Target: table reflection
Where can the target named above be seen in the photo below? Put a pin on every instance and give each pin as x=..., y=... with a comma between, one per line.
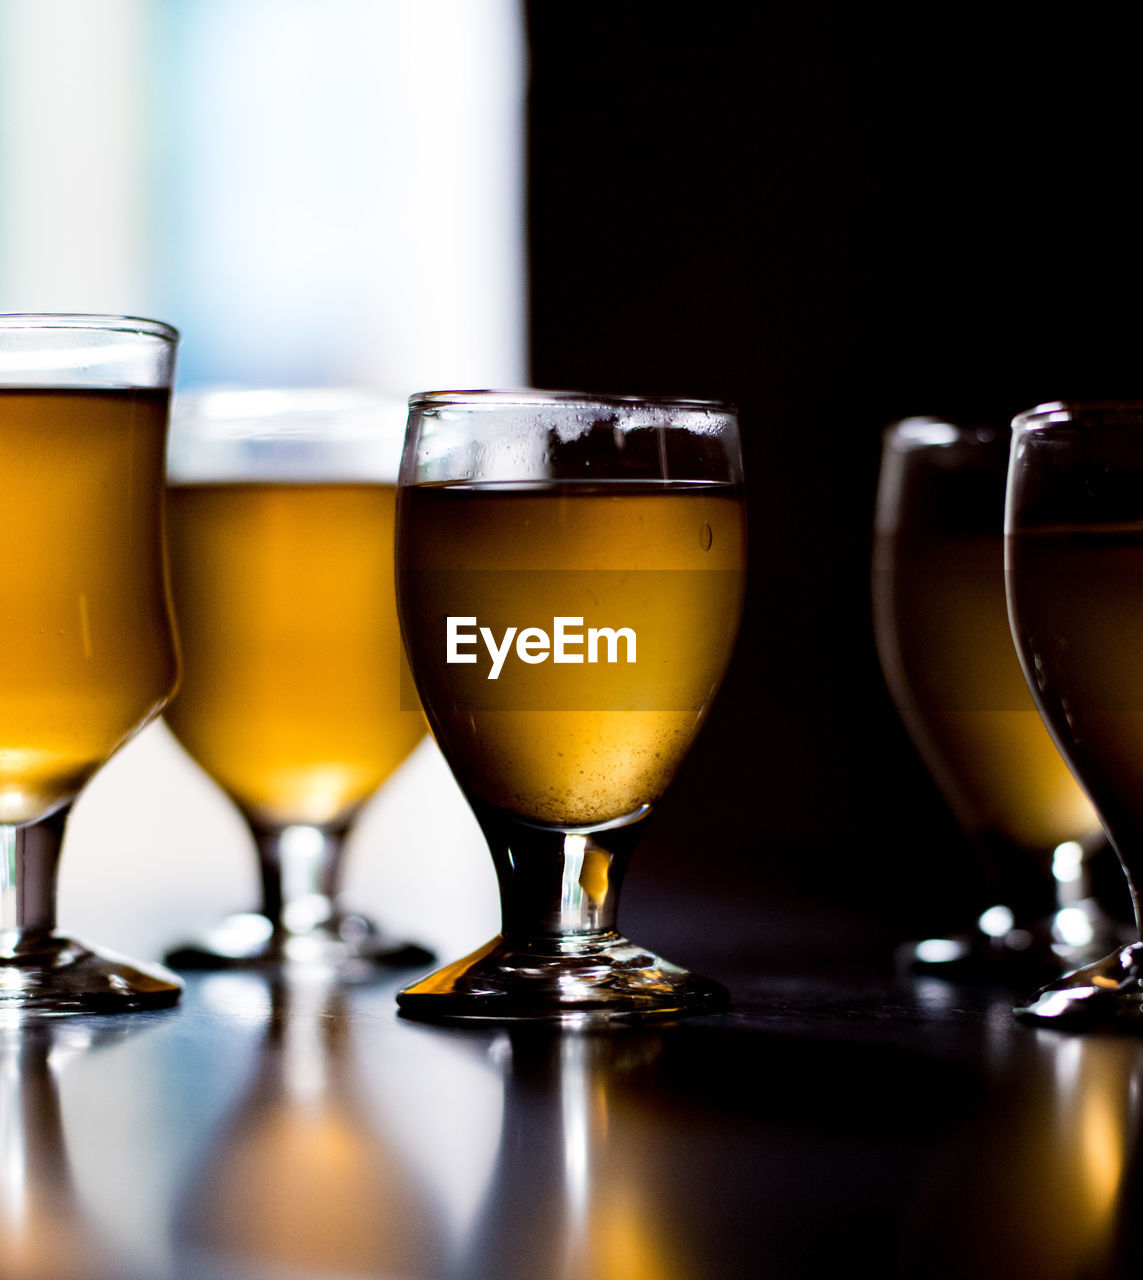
x=47, y=1232
x=299, y=1129
x=299, y=1180
x=1045, y=1183
x=574, y=1190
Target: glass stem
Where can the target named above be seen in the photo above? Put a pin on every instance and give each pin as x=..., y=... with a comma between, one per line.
x=29, y=860
x=300, y=868
x=1136, y=902
x=557, y=886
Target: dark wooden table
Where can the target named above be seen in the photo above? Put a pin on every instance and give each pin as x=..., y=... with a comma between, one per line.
x=274, y=1129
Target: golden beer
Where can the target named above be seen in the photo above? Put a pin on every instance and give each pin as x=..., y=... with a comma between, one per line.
x=291, y=697
x=86, y=654
x=950, y=663
x=573, y=742
x=1078, y=601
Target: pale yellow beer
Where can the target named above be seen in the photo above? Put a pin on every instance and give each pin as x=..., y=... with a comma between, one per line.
x=86, y=656
x=291, y=697
x=570, y=744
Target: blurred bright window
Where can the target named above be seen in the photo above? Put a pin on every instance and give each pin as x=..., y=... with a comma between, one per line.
x=313, y=191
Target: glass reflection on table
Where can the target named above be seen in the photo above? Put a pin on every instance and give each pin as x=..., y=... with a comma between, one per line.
x=48, y=1231
x=298, y=1181
x=575, y=1188
x=1044, y=1183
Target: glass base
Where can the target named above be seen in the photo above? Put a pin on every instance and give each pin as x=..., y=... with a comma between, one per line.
x=976, y=957
x=1106, y=993
x=572, y=981
x=1075, y=935
x=249, y=940
x=66, y=975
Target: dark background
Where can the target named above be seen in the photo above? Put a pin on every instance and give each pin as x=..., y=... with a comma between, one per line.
x=834, y=215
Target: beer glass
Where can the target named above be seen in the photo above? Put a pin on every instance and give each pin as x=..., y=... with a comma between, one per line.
x=87, y=646
x=1074, y=559
x=570, y=578
x=941, y=624
x=281, y=509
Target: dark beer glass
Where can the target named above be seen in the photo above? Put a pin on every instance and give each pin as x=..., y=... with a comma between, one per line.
x=1074, y=558
x=946, y=650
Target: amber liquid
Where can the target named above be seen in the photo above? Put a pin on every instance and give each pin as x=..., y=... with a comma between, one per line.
x=291, y=693
x=573, y=744
x=1077, y=597
x=87, y=653
x=947, y=652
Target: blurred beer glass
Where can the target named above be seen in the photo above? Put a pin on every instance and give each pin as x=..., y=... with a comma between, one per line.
x=281, y=515
x=947, y=653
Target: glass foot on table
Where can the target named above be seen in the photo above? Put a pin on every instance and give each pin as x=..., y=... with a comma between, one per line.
x=573, y=983
x=1016, y=956
x=249, y=939
x=1107, y=993
x=65, y=975
x=997, y=949
x=975, y=957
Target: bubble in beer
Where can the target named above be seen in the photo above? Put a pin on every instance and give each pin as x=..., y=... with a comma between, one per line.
x=706, y=537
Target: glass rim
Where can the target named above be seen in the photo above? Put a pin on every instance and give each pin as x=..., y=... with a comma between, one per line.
x=285, y=435
x=1052, y=412
x=521, y=397
x=925, y=431
x=17, y=321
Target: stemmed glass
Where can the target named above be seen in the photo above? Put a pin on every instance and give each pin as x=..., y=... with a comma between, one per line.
x=87, y=646
x=942, y=631
x=281, y=509
x=1074, y=560
x=570, y=578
